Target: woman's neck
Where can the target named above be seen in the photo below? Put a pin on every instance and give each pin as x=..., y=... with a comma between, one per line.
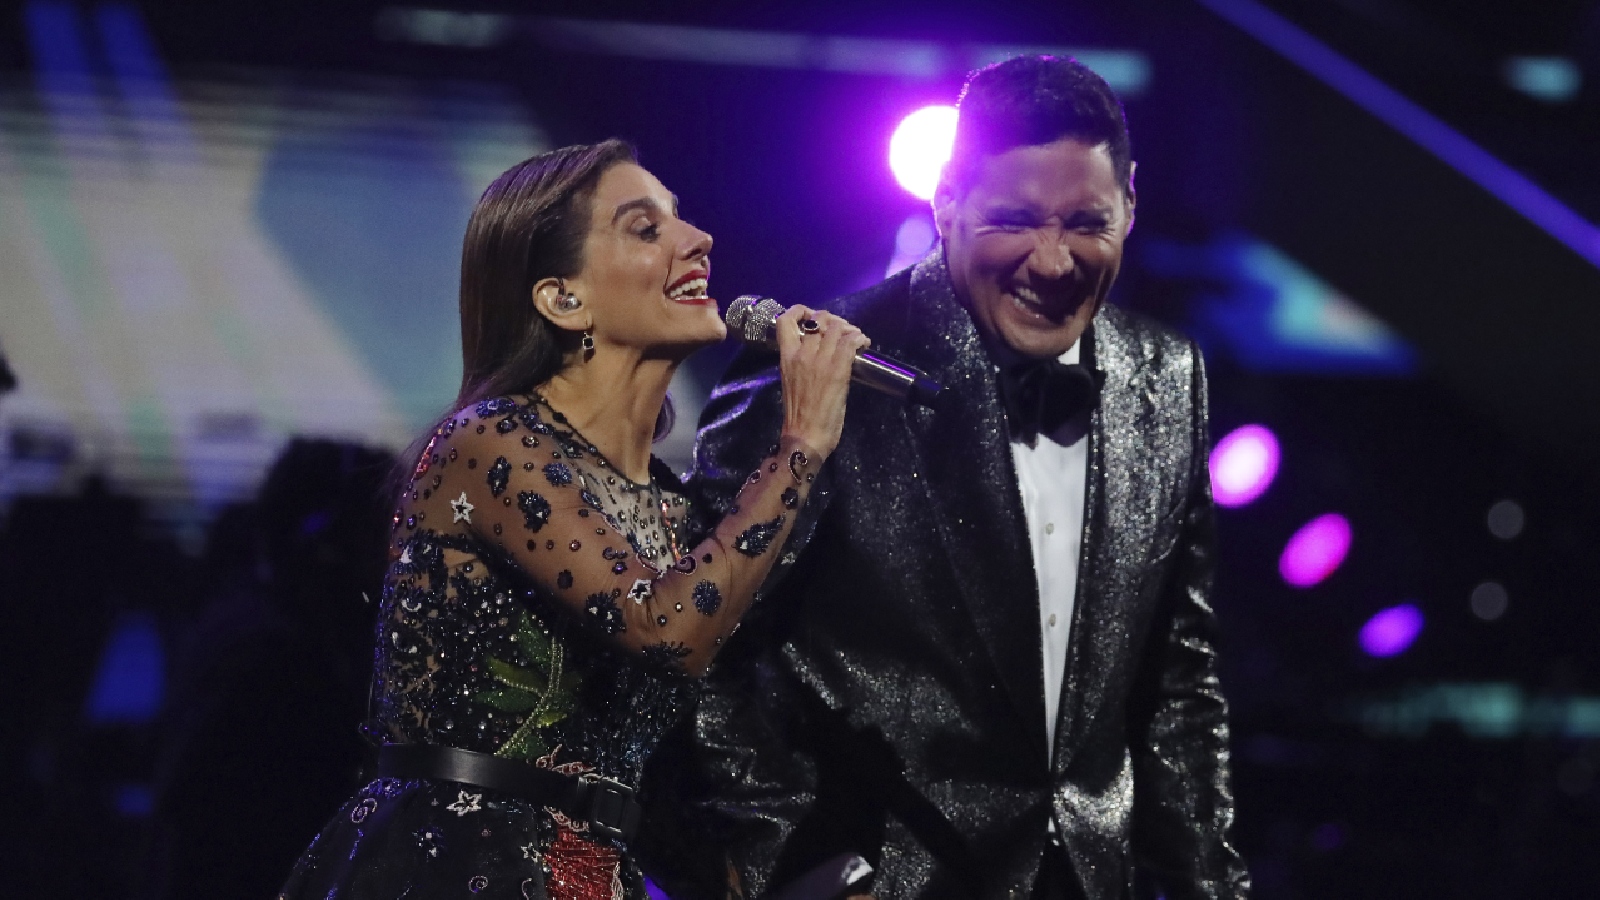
x=613, y=399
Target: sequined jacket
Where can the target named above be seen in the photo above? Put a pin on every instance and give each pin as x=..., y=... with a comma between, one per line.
x=886, y=697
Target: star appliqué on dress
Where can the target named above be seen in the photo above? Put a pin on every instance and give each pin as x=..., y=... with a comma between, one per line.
x=530, y=851
x=641, y=591
x=465, y=803
x=462, y=509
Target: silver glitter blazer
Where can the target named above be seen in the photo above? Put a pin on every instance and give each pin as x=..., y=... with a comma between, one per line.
x=886, y=697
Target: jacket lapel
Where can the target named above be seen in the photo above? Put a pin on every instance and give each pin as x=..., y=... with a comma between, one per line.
x=963, y=446
x=1122, y=507
x=1089, y=595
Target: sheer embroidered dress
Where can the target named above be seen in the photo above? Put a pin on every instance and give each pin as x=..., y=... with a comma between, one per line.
x=543, y=607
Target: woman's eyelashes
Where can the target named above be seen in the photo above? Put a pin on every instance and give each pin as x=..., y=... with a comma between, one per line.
x=651, y=228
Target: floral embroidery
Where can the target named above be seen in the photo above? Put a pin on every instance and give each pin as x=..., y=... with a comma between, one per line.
x=707, y=598
x=535, y=510
x=755, y=540
x=499, y=475
x=495, y=406
x=543, y=690
x=667, y=654
x=603, y=607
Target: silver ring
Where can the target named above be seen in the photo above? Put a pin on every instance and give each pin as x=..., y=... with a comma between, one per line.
x=809, y=326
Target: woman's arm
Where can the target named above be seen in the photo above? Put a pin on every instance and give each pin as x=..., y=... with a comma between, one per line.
x=527, y=501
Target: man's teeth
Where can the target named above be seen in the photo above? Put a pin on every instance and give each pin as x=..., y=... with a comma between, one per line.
x=1028, y=299
x=695, y=287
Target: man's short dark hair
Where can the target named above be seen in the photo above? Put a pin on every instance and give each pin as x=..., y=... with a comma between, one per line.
x=1030, y=100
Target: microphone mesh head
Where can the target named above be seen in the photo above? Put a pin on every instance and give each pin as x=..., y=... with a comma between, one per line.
x=752, y=318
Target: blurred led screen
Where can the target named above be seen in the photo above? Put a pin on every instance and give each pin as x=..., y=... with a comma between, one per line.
x=193, y=271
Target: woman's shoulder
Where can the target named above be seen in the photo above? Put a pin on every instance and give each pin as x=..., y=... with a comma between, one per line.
x=498, y=421
x=509, y=411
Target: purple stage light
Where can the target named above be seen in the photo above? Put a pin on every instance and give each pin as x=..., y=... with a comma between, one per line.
x=1243, y=465
x=1392, y=630
x=1315, y=550
x=919, y=148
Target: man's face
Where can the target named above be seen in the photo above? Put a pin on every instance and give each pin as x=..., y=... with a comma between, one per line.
x=1034, y=241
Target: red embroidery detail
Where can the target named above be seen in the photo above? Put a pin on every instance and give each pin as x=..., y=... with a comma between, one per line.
x=582, y=870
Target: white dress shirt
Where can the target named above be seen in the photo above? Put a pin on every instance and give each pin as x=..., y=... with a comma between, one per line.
x=1051, y=475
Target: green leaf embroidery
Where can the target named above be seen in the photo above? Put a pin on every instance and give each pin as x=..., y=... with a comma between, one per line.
x=513, y=701
x=543, y=690
x=517, y=678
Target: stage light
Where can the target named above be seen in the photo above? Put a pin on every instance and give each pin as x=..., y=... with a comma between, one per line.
x=920, y=147
x=912, y=242
x=1243, y=465
x=1552, y=79
x=1315, y=550
x=1392, y=630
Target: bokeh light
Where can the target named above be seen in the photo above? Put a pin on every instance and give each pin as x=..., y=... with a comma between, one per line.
x=1315, y=551
x=919, y=148
x=1392, y=630
x=1506, y=519
x=1489, y=601
x=1243, y=465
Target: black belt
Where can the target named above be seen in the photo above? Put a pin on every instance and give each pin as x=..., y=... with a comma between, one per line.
x=608, y=806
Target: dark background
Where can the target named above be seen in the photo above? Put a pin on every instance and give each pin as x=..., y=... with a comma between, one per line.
x=1463, y=767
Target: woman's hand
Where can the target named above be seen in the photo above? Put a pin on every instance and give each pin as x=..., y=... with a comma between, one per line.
x=816, y=350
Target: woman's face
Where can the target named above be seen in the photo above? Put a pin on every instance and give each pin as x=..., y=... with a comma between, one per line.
x=645, y=271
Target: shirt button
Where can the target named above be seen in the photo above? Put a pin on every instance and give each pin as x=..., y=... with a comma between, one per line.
x=1049, y=528
x=1052, y=620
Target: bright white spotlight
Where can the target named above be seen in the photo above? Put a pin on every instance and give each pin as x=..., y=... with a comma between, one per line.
x=1243, y=465
x=920, y=147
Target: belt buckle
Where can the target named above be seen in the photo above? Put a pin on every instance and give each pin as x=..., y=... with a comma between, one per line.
x=606, y=804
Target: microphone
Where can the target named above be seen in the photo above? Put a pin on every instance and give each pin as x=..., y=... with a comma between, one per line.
x=754, y=320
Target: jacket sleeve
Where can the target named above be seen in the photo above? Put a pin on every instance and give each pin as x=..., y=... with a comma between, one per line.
x=1183, y=799
x=756, y=787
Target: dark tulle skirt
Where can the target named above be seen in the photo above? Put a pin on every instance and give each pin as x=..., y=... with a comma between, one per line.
x=422, y=839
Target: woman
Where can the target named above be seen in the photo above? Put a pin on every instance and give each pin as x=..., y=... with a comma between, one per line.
x=544, y=614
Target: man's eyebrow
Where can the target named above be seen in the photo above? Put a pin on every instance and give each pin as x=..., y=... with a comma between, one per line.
x=1013, y=208
x=645, y=203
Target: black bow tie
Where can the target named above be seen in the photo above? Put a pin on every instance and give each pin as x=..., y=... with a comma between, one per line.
x=1042, y=395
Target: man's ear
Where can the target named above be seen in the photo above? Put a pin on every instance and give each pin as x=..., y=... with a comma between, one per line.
x=1133, y=196
x=944, y=206
x=548, y=294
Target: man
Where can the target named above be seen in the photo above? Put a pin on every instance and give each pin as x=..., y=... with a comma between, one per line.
x=990, y=670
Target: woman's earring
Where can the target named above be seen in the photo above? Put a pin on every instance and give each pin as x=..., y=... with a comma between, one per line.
x=588, y=340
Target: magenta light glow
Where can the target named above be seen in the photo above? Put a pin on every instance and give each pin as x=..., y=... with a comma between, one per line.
x=1391, y=631
x=920, y=147
x=1243, y=465
x=1315, y=550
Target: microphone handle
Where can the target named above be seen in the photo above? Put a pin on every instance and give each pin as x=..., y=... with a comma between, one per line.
x=753, y=318
x=892, y=378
